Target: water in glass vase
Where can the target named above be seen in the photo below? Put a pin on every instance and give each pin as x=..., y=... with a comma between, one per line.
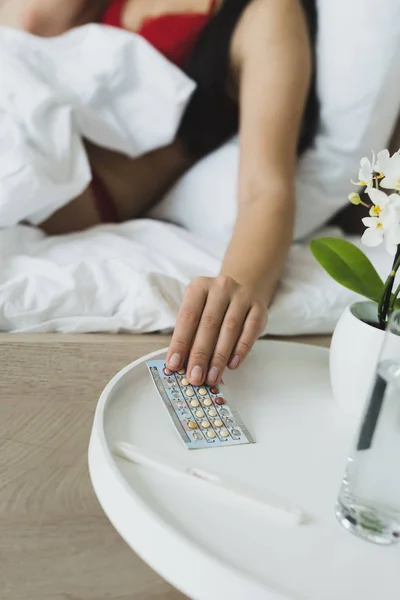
x=369, y=499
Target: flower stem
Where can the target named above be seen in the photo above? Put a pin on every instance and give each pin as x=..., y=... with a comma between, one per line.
x=385, y=302
x=394, y=298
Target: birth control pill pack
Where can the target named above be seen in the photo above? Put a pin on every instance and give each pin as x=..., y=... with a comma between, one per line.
x=202, y=415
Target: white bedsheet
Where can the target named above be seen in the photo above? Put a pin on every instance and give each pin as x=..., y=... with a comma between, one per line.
x=130, y=277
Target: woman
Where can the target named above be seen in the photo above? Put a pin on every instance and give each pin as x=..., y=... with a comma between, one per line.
x=253, y=64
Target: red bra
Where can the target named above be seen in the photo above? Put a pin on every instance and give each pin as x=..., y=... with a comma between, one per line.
x=174, y=35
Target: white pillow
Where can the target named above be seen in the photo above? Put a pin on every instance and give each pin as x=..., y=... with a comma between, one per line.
x=358, y=63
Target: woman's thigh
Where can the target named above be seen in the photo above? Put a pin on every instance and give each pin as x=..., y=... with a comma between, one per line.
x=133, y=186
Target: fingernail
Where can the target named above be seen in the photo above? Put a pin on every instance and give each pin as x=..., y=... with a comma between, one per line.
x=212, y=375
x=197, y=373
x=234, y=362
x=175, y=361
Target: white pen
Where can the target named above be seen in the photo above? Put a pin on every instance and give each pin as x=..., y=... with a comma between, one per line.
x=275, y=508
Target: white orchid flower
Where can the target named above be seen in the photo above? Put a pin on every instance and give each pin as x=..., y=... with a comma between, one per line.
x=391, y=181
x=382, y=162
x=384, y=228
x=381, y=200
x=366, y=172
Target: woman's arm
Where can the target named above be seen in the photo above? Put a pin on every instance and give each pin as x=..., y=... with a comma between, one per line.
x=220, y=319
x=271, y=53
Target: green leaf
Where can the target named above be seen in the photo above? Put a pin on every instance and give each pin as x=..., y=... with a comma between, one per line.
x=349, y=266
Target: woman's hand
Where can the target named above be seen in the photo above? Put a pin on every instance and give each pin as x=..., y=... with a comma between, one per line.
x=220, y=319
x=217, y=325
x=53, y=17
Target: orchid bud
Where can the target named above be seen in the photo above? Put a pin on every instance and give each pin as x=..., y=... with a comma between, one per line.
x=355, y=198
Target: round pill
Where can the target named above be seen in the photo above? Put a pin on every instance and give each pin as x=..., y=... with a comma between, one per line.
x=224, y=433
x=184, y=382
x=199, y=414
x=202, y=391
x=220, y=401
x=218, y=423
x=181, y=372
x=192, y=425
x=167, y=372
x=205, y=424
x=212, y=412
x=195, y=403
x=211, y=434
x=207, y=402
x=189, y=392
x=214, y=390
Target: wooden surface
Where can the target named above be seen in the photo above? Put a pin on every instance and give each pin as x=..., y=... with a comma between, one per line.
x=55, y=541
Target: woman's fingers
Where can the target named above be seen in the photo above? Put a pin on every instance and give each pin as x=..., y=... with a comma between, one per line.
x=253, y=327
x=231, y=329
x=207, y=334
x=187, y=322
x=217, y=325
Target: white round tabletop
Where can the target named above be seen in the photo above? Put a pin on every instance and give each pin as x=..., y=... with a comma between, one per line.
x=210, y=547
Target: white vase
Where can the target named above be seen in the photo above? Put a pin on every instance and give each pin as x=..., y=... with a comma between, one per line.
x=354, y=354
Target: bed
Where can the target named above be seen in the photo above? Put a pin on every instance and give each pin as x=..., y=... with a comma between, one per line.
x=131, y=276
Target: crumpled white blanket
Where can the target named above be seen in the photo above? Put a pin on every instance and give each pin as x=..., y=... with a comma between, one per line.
x=97, y=82
x=130, y=277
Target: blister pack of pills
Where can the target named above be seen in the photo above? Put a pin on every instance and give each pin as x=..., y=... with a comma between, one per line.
x=202, y=415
